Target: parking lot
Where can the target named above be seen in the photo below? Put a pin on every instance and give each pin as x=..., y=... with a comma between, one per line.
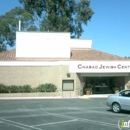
x=59, y=114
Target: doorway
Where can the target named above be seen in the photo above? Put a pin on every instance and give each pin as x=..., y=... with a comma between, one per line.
x=104, y=85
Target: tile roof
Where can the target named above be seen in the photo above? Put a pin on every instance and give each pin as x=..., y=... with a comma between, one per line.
x=91, y=54
x=8, y=55
x=76, y=54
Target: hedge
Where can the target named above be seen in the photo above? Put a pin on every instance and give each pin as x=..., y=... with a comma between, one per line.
x=3, y=88
x=48, y=87
x=20, y=89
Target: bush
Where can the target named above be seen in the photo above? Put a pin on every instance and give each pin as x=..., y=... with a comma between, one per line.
x=4, y=89
x=13, y=89
x=20, y=89
x=48, y=87
x=87, y=87
x=116, y=88
x=41, y=88
x=26, y=89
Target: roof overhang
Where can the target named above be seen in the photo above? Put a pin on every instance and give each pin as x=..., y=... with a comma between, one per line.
x=100, y=67
x=104, y=74
x=79, y=66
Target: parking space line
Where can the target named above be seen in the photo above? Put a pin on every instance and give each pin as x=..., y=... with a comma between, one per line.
x=98, y=112
x=20, y=125
x=53, y=123
x=93, y=110
x=24, y=116
x=107, y=113
x=85, y=120
x=16, y=126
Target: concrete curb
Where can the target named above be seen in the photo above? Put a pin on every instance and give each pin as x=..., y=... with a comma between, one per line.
x=24, y=98
x=95, y=96
x=57, y=97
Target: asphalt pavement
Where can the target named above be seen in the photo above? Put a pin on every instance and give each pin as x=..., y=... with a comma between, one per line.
x=59, y=114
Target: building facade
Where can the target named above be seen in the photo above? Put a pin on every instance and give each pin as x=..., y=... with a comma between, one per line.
x=68, y=63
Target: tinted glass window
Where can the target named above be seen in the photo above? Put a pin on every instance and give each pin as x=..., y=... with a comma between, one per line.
x=125, y=93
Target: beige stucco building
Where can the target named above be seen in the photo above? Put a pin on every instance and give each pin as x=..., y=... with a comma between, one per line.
x=68, y=63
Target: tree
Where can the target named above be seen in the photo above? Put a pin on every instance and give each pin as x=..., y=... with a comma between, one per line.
x=9, y=26
x=60, y=15
x=128, y=57
x=2, y=47
x=45, y=15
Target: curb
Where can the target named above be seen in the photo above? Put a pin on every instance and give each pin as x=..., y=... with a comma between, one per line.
x=94, y=96
x=58, y=97
x=23, y=98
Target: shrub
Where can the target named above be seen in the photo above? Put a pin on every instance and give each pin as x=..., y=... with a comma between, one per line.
x=87, y=87
x=48, y=87
x=20, y=89
x=4, y=89
x=41, y=88
x=26, y=89
x=13, y=89
x=116, y=88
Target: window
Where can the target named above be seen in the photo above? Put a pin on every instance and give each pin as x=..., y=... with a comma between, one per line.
x=125, y=93
x=68, y=85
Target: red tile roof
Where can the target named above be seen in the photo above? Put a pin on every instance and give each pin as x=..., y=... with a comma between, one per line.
x=76, y=54
x=90, y=54
x=8, y=55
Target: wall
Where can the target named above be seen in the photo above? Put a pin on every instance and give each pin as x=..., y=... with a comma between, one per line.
x=30, y=75
x=42, y=45
x=47, y=44
x=35, y=76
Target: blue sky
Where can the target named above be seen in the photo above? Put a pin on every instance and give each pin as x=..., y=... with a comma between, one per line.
x=109, y=27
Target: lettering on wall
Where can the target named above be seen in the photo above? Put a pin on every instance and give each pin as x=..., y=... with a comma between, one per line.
x=101, y=66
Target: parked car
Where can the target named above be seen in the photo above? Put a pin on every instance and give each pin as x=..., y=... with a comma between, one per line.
x=119, y=101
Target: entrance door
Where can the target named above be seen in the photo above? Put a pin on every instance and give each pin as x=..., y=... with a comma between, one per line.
x=105, y=85
x=100, y=84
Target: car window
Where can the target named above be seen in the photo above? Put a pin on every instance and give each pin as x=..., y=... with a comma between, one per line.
x=125, y=93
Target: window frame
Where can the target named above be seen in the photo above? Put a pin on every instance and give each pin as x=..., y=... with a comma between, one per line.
x=121, y=93
x=67, y=89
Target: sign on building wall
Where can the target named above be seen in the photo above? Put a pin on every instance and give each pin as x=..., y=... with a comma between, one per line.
x=99, y=66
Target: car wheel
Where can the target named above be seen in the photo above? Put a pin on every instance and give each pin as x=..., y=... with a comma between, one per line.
x=116, y=107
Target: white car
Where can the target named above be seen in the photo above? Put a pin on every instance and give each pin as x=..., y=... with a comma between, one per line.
x=119, y=101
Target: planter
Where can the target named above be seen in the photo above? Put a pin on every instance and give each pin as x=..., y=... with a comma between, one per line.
x=88, y=92
x=88, y=89
x=116, y=91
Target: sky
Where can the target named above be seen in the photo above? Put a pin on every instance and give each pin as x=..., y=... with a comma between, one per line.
x=109, y=27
